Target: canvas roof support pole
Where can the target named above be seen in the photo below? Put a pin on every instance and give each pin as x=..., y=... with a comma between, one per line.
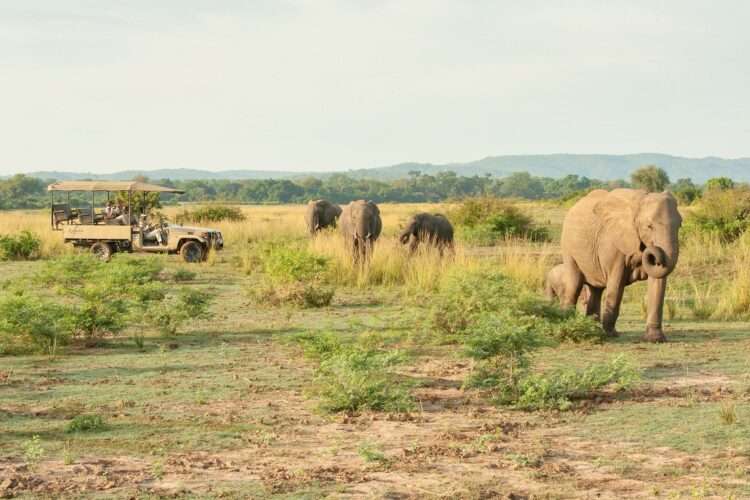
x=93, y=204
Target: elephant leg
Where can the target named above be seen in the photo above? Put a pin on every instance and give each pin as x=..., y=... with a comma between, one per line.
x=656, y=290
x=594, y=302
x=613, y=299
x=573, y=282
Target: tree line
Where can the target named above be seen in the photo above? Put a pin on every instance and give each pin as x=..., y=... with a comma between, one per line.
x=21, y=191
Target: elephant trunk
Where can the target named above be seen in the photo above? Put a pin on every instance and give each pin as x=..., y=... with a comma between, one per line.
x=406, y=234
x=658, y=261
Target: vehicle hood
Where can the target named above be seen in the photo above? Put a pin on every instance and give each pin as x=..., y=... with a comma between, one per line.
x=192, y=229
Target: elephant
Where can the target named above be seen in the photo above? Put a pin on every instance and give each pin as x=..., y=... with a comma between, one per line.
x=554, y=287
x=321, y=214
x=434, y=230
x=361, y=226
x=612, y=239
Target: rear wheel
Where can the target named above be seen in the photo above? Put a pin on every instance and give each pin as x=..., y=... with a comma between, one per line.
x=102, y=251
x=192, y=251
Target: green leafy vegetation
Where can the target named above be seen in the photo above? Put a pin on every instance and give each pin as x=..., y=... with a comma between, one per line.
x=485, y=220
x=290, y=274
x=724, y=212
x=23, y=246
x=210, y=213
x=353, y=376
x=86, y=423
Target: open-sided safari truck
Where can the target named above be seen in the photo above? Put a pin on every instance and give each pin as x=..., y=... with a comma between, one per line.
x=112, y=227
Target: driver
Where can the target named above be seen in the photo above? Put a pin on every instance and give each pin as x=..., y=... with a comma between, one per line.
x=150, y=232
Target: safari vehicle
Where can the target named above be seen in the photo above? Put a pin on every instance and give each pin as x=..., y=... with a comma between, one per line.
x=109, y=229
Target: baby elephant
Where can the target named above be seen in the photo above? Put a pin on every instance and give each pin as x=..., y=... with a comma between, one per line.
x=361, y=226
x=555, y=287
x=434, y=230
x=321, y=214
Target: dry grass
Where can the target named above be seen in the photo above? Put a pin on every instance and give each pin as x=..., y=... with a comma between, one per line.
x=38, y=222
x=525, y=262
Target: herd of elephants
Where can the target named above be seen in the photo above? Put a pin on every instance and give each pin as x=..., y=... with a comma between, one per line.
x=610, y=239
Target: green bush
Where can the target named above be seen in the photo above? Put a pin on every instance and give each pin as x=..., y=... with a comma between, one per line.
x=723, y=212
x=577, y=328
x=182, y=275
x=353, y=377
x=28, y=321
x=175, y=310
x=501, y=348
x=486, y=220
x=24, y=246
x=559, y=389
x=210, y=213
x=291, y=275
x=98, y=313
x=285, y=263
x=86, y=423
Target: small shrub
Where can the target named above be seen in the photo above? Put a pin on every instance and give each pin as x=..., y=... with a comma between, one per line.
x=292, y=275
x=210, y=213
x=33, y=451
x=28, y=321
x=723, y=212
x=182, y=275
x=24, y=246
x=175, y=310
x=560, y=388
x=353, y=377
x=85, y=423
x=486, y=220
x=372, y=453
x=297, y=294
x=578, y=328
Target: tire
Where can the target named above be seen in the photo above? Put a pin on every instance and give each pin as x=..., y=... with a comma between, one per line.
x=192, y=252
x=102, y=251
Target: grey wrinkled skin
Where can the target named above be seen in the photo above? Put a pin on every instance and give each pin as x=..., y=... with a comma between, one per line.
x=321, y=214
x=361, y=225
x=612, y=239
x=433, y=230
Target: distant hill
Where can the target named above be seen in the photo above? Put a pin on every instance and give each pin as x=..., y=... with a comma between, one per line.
x=604, y=167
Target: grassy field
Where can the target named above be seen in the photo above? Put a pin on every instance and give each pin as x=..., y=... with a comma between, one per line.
x=228, y=408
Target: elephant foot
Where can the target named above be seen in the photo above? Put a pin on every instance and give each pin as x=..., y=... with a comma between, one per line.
x=612, y=333
x=654, y=334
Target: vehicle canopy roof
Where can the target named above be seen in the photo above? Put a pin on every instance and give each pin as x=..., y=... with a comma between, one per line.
x=131, y=186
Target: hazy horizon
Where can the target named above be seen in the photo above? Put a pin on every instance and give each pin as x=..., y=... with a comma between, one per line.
x=330, y=86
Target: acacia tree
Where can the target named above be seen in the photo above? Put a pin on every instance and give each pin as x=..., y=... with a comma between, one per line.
x=651, y=178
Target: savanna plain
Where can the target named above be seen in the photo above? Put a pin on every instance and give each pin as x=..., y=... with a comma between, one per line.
x=278, y=369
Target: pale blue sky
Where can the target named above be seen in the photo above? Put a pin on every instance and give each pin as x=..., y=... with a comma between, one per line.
x=102, y=85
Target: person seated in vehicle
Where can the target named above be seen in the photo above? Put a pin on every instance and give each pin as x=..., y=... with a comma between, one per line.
x=150, y=233
x=109, y=210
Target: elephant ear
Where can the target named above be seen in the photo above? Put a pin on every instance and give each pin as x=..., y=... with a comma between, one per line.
x=618, y=213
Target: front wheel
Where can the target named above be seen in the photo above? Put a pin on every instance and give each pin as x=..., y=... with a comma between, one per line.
x=192, y=251
x=102, y=251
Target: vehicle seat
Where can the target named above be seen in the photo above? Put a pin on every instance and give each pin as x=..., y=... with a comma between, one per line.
x=60, y=213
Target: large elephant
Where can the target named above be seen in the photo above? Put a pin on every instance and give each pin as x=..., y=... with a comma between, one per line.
x=321, y=214
x=361, y=226
x=434, y=230
x=612, y=239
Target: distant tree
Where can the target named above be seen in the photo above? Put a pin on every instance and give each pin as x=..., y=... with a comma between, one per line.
x=521, y=185
x=685, y=191
x=719, y=183
x=651, y=178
